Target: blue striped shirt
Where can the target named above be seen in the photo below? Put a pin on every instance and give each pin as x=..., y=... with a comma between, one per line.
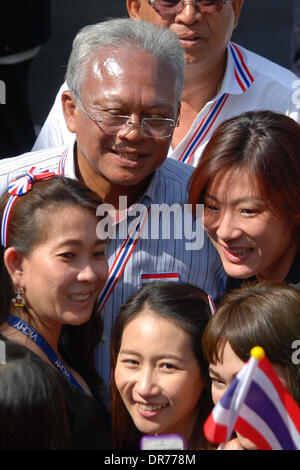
x=152, y=255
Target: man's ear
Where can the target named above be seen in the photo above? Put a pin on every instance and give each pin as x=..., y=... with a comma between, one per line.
x=70, y=110
x=237, y=7
x=133, y=8
x=13, y=261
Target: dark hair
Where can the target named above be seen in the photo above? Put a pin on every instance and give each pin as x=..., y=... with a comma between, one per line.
x=187, y=306
x=33, y=411
x=265, y=314
x=26, y=228
x=267, y=146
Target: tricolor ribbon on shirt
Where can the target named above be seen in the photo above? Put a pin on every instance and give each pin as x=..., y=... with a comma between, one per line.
x=19, y=187
x=121, y=260
x=244, y=79
x=62, y=163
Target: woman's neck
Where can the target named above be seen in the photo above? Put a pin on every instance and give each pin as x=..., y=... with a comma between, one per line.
x=50, y=331
x=280, y=269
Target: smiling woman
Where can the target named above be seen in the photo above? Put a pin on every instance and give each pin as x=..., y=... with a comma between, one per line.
x=159, y=375
x=265, y=314
x=53, y=268
x=248, y=181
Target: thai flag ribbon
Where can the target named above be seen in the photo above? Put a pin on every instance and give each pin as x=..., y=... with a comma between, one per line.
x=122, y=257
x=259, y=407
x=244, y=79
x=19, y=187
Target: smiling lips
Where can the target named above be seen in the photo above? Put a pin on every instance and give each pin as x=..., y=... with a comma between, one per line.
x=80, y=297
x=150, y=411
x=133, y=157
x=152, y=407
x=237, y=254
x=129, y=157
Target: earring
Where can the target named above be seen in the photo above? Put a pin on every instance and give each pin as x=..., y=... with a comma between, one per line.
x=18, y=299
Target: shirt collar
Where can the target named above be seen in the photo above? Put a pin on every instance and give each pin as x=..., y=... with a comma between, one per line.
x=238, y=77
x=67, y=162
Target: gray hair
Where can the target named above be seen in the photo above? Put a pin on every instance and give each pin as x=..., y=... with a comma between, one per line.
x=116, y=33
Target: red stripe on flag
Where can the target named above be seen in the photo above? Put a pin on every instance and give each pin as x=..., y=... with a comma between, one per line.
x=214, y=431
x=244, y=428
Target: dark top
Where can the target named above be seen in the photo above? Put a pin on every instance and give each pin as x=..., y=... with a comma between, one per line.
x=90, y=429
x=89, y=425
x=292, y=279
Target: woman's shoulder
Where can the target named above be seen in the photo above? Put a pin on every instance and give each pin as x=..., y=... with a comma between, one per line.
x=88, y=418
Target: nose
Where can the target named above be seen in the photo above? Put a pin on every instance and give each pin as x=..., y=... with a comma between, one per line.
x=132, y=131
x=87, y=273
x=146, y=384
x=227, y=227
x=189, y=13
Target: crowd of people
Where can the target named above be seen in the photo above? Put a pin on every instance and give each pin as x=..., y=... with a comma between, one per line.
x=124, y=314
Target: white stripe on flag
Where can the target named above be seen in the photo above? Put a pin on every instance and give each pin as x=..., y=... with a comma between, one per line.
x=259, y=424
x=228, y=417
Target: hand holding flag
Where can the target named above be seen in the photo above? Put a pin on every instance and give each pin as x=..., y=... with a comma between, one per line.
x=258, y=406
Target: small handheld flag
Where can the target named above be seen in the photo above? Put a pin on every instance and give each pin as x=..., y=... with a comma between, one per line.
x=258, y=406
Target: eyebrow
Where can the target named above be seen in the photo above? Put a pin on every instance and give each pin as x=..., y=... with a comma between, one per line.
x=71, y=241
x=237, y=201
x=215, y=373
x=219, y=376
x=160, y=356
x=119, y=102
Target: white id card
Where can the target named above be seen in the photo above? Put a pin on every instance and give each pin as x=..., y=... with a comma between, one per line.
x=162, y=442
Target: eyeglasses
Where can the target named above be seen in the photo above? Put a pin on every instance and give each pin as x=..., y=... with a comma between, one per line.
x=112, y=123
x=169, y=8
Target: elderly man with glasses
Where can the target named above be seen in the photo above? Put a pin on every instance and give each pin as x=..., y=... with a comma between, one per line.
x=125, y=80
x=222, y=79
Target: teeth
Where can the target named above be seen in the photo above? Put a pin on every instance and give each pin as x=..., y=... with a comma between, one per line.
x=130, y=156
x=80, y=296
x=240, y=252
x=151, y=407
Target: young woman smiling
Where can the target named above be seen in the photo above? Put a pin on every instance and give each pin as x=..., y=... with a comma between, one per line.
x=52, y=269
x=159, y=375
x=265, y=314
x=248, y=181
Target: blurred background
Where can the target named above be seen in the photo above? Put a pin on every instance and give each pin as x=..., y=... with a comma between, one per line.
x=265, y=27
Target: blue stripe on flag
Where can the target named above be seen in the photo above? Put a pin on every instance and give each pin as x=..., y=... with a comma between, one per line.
x=260, y=403
x=226, y=399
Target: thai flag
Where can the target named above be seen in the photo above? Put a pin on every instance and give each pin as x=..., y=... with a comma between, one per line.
x=258, y=406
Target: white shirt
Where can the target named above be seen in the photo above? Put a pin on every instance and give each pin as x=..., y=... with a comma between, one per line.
x=156, y=255
x=251, y=82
